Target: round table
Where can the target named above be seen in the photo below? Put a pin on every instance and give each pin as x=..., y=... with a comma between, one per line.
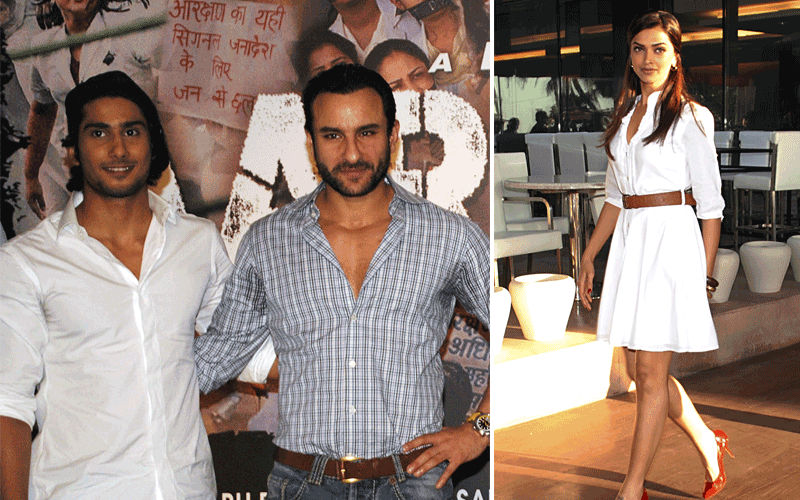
x=572, y=185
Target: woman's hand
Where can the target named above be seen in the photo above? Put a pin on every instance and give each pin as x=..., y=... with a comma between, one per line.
x=605, y=226
x=711, y=286
x=585, y=280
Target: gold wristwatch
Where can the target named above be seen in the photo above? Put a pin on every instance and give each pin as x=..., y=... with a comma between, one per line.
x=480, y=422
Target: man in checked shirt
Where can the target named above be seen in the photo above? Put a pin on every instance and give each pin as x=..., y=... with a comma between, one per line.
x=355, y=283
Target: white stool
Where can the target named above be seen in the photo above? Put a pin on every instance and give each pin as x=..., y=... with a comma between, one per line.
x=725, y=269
x=794, y=244
x=542, y=303
x=765, y=264
x=500, y=310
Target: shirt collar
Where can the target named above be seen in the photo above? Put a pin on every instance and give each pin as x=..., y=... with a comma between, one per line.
x=161, y=209
x=394, y=14
x=98, y=24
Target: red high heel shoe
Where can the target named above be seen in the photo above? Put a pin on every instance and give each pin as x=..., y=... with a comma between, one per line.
x=714, y=487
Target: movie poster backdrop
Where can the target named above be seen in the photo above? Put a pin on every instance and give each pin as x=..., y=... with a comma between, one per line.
x=229, y=74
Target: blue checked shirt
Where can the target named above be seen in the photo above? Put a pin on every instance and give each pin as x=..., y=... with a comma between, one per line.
x=359, y=376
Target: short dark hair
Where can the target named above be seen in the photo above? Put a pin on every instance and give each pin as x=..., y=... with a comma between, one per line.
x=346, y=79
x=114, y=84
x=313, y=40
x=512, y=125
x=387, y=47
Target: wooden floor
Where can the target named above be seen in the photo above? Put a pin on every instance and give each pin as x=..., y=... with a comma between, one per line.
x=583, y=453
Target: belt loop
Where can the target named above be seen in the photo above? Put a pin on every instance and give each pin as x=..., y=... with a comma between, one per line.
x=317, y=470
x=683, y=197
x=398, y=468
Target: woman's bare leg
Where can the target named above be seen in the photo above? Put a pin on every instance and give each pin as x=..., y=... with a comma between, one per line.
x=684, y=414
x=652, y=404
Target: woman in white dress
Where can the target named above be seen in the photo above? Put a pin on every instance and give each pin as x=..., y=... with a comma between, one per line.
x=660, y=144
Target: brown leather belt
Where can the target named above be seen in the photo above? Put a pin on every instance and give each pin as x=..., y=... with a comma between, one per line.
x=656, y=200
x=347, y=469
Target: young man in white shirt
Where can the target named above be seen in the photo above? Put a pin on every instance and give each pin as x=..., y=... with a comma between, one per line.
x=99, y=305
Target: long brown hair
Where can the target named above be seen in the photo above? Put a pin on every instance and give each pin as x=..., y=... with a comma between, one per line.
x=674, y=95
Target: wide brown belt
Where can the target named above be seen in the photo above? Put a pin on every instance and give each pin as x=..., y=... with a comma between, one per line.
x=347, y=470
x=656, y=200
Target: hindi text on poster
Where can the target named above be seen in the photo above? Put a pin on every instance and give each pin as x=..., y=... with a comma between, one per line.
x=245, y=45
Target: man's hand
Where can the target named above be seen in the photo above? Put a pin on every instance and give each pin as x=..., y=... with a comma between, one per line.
x=35, y=196
x=454, y=444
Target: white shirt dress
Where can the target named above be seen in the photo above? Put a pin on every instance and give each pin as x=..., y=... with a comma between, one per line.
x=654, y=291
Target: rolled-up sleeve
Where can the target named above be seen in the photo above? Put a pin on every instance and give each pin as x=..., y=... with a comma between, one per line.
x=613, y=194
x=473, y=281
x=221, y=268
x=701, y=159
x=23, y=335
x=238, y=326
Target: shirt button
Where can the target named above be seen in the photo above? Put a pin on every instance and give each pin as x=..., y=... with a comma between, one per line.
x=352, y=409
x=352, y=363
x=353, y=318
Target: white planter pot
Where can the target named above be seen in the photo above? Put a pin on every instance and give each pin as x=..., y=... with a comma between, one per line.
x=794, y=245
x=725, y=269
x=765, y=264
x=543, y=303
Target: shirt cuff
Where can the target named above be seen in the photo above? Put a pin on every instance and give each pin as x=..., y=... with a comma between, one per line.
x=20, y=410
x=258, y=368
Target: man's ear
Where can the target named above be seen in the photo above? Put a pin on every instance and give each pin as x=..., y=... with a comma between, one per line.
x=394, y=134
x=70, y=158
x=309, y=141
x=310, y=151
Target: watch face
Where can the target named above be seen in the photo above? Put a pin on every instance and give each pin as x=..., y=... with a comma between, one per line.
x=482, y=424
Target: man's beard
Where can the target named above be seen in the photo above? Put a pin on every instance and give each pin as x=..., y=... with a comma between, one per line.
x=378, y=175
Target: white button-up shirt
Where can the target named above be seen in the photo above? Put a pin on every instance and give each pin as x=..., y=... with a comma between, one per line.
x=111, y=355
x=686, y=159
x=361, y=375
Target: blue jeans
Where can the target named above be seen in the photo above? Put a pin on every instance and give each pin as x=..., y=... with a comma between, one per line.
x=288, y=483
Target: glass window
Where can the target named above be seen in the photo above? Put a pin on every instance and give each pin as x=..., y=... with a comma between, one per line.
x=566, y=58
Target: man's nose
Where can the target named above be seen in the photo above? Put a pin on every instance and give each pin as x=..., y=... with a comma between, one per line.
x=119, y=147
x=351, y=152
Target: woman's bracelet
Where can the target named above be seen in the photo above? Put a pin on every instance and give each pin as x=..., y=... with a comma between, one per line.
x=711, y=284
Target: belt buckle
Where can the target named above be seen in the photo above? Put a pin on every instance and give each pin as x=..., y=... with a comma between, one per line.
x=625, y=200
x=342, y=471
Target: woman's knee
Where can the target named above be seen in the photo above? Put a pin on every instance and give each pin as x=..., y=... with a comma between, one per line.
x=650, y=377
